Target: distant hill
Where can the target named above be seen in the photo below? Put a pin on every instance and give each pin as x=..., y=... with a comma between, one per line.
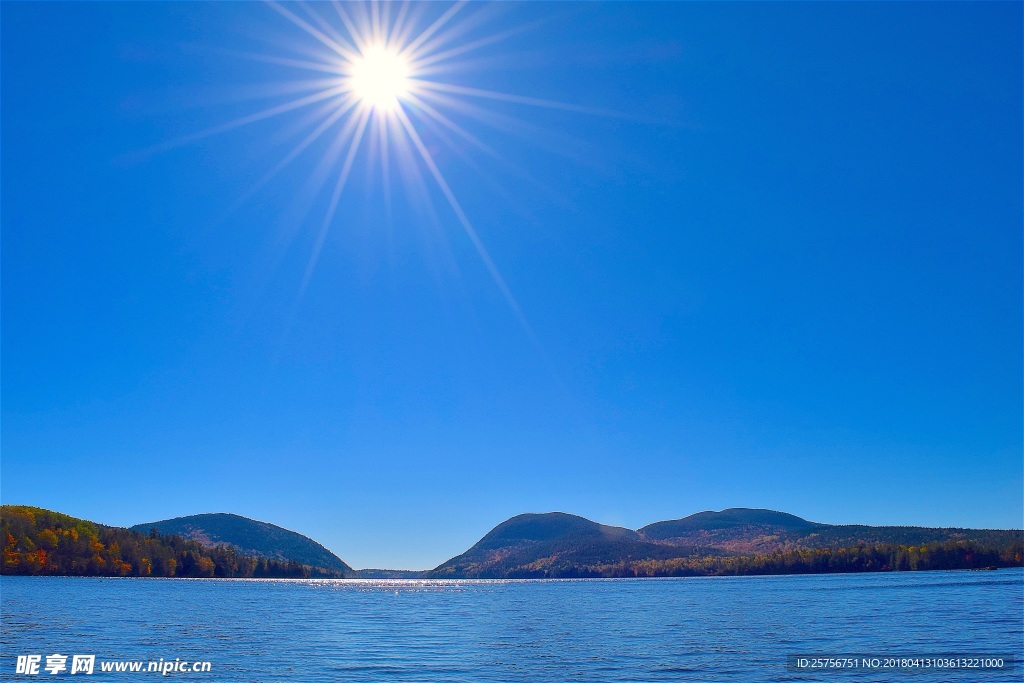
x=249, y=537
x=389, y=574
x=746, y=530
x=549, y=544
x=42, y=542
x=733, y=530
x=730, y=518
x=735, y=540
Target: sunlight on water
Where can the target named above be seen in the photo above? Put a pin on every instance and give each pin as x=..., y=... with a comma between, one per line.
x=738, y=629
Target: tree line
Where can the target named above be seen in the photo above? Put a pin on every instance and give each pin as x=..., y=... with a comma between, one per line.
x=41, y=542
x=881, y=557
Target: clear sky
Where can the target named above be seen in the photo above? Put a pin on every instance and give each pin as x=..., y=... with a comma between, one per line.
x=770, y=256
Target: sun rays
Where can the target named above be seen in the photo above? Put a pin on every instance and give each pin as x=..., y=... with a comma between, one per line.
x=370, y=80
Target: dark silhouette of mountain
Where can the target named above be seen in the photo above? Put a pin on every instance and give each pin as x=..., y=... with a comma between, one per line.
x=249, y=537
x=735, y=540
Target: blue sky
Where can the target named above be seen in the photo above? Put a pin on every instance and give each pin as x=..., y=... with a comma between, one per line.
x=780, y=267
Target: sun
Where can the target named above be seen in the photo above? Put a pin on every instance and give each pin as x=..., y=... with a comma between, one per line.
x=385, y=74
x=380, y=78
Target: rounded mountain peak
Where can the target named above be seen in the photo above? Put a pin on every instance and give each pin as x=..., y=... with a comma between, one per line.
x=547, y=526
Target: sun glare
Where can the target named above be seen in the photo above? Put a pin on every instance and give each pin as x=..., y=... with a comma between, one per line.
x=380, y=77
x=383, y=81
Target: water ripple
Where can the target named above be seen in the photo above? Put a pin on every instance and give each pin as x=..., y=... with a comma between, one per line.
x=735, y=629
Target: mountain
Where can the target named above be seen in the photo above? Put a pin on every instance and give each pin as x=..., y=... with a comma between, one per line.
x=249, y=537
x=389, y=574
x=42, y=542
x=734, y=530
x=730, y=518
x=549, y=544
x=746, y=530
x=732, y=541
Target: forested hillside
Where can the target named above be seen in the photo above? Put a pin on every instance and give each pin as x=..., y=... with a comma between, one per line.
x=41, y=542
x=249, y=537
x=551, y=545
x=745, y=531
x=731, y=542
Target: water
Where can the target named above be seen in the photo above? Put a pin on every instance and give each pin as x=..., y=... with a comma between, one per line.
x=693, y=629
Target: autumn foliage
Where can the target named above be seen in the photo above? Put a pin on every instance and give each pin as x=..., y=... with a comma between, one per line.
x=880, y=557
x=41, y=542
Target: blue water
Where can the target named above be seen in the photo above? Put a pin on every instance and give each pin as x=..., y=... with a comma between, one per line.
x=693, y=629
